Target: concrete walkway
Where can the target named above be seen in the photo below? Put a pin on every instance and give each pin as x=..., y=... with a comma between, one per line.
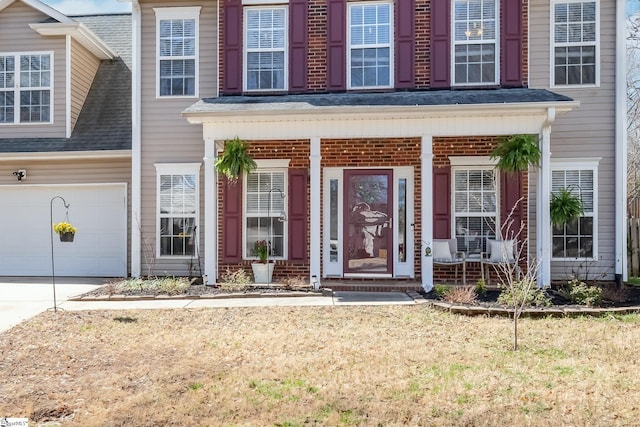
x=22, y=298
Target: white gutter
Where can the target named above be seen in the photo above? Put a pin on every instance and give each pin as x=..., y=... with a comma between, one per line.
x=79, y=32
x=66, y=155
x=136, y=141
x=621, y=143
x=40, y=6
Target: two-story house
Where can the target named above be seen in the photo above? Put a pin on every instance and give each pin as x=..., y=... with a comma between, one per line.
x=65, y=130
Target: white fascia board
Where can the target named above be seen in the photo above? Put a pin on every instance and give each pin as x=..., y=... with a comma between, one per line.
x=41, y=7
x=80, y=32
x=385, y=111
x=67, y=155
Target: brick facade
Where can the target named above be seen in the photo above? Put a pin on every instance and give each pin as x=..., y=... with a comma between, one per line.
x=317, y=45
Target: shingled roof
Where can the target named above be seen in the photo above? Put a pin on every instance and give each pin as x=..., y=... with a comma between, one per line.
x=105, y=120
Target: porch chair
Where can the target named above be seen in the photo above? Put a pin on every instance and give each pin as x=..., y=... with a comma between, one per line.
x=499, y=252
x=445, y=252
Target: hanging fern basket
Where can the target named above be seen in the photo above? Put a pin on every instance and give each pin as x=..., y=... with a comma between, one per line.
x=517, y=153
x=235, y=161
x=565, y=207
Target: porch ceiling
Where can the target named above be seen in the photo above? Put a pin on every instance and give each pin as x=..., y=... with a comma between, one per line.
x=386, y=114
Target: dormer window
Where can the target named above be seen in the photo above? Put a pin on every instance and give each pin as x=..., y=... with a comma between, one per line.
x=25, y=88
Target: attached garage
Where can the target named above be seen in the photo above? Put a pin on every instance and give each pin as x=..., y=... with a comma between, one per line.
x=99, y=211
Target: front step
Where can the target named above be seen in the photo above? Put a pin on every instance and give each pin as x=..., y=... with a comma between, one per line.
x=381, y=286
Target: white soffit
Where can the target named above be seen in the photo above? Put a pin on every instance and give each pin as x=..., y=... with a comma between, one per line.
x=78, y=32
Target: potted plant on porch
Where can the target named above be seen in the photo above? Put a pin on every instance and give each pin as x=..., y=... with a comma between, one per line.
x=235, y=161
x=565, y=207
x=263, y=270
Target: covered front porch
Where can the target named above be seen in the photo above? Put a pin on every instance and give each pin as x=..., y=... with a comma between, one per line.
x=390, y=142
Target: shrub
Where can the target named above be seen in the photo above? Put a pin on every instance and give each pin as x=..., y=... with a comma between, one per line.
x=295, y=283
x=461, y=295
x=523, y=291
x=578, y=292
x=481, y=287
x=440, y=290
x=235, y=281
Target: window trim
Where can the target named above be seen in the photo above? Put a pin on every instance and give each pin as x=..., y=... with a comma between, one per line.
x=245, y=50
x=17, y=89
x=552, y=44
x=392, y=42
x=581, y=164
x=177, y=169
x=496, y=43
x=168, y=13
x=270, y=166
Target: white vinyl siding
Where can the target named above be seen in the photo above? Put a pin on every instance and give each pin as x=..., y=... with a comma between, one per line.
x=576, y=239
x=575, y=43
x=265, y=35
x=25, y=88
x=370, y=45
x=178, y=195
x=264, y=207
x=475, y=208
x=177, y=51
x=475, y=42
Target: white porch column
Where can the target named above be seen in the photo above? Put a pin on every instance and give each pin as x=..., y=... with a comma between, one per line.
x=210, y=213
x=315, y=212
x=136, y=143
x=543, y=217
x=426, y=221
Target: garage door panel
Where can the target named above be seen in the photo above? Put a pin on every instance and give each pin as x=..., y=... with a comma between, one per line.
x=99, y=213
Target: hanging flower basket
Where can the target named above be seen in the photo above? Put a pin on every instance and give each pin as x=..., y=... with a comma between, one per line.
x=65, y=230
x=67, y=237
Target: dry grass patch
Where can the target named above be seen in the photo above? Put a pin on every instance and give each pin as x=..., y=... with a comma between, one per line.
x=391, y=365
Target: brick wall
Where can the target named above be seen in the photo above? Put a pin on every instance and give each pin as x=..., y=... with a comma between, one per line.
x=297, y=151
x=317, y=48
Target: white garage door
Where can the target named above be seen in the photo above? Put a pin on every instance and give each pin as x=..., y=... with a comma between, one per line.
x=98, y=211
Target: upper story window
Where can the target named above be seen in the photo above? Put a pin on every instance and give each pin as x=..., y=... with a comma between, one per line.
x=177, y=51
x=25, y=88
x=265, y=48
x=575, y=43
x=475, y=42
x=576, y=239
x=370, y=45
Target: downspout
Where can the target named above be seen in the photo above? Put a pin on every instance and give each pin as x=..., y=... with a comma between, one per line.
x=136, y=140
x=543, y=220
x=621, y=144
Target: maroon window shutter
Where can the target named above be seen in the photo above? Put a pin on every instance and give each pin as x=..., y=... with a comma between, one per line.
x=297, y=217
x=231, y=221
x=232, y=47
x=298, y=45
x=511, y=39
x=511, y=192
x=440, y=43
x=336, y=45
x=405, y=39
x=442, y=203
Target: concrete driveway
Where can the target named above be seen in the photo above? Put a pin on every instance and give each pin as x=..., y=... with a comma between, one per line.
x=22, y=298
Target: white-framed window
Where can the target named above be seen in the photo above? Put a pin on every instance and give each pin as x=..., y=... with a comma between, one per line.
x=26, y=87
x=370, y=52
x=475, y=205
x=577, y=239
x=574, y=43
x=178, y=208
x=265, y=191
x=475, y=42
x=177, y=30
x=265, y=54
